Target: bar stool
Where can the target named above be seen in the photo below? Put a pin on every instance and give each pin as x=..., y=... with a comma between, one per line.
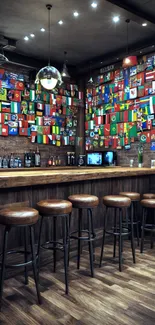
x=56, y=208
x=134, y=197
x=19, y=217
x=149, y=196
x=88, y=202
x=147, y=204
x=118, y=203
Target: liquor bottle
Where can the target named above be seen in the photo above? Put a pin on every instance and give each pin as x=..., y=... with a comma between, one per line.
x=1, y=162
x=16, y=162
x=11, y=162
x=140, y=156
x=19, y=162
x=37, y=158
x=73, y=158
x=49, y=162
x=27, y=160
x=5, y=162
x=68, y=158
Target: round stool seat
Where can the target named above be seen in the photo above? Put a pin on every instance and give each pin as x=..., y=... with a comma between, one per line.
x=18, y=216
x=132, y=195
x=116, y=201
x=54, y=207
x=148, y=203
x=149, y=196
x=84, y=201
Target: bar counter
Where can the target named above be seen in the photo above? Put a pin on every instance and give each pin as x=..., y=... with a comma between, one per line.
x=43, y=176
x=33, y=185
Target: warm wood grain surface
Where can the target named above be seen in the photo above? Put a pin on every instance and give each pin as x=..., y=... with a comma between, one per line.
x=42, y=177
x=111, y=298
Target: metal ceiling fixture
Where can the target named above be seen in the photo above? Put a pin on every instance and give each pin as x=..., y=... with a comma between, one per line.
x=49, y=76
x=129, y=61
x=3, y=58
x=65, y=73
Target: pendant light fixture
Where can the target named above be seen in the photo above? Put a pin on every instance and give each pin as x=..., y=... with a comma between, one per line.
x=49, y=76
x=65, y=73
x=131, y=60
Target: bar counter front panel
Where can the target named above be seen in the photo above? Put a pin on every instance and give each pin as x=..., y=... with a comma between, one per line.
x=36, y=185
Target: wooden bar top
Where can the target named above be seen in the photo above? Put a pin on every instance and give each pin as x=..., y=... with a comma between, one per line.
x=18, y=178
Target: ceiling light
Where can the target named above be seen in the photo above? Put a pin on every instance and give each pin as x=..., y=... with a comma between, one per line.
x=26, y=38
x=152, y=45
x=65, y=73
x=101, y=62
x=94, y=4
x=32, y=35
x=60, y=22
x=144, y=24
x=76, y=14
x=49, y=76
x=116, y=19
x=141, y=52
x=42, y=29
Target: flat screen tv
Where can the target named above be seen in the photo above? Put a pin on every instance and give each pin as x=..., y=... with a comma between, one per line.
x=109, y=158
x=94, y=159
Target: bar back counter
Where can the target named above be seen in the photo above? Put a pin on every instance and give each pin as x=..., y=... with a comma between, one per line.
x=31, y=186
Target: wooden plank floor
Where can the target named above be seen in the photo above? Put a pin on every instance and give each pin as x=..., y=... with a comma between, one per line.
x=111, y=298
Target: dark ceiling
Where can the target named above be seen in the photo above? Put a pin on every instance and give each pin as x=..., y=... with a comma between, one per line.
x=93, y=35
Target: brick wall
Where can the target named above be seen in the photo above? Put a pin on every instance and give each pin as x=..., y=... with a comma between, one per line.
x=124, y=156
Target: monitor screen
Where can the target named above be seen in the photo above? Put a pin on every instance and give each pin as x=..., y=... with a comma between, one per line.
x=108, y=158
x=94, y=159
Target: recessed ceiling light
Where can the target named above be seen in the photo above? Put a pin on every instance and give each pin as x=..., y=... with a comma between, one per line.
x=26, y=38
x=32, y=35
x=144, y=24
x=117, y=58
x=141, y=52
x=60, y=22
x=115, y=19
x=76, y=14
x=101, y=62
x=94, y=4
x=42, y=29
x=152, y=45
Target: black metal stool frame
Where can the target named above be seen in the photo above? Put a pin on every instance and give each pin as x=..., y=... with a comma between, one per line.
x=133, y=211
x=117, y=232
x=90, y=238
x=25, y=252
x=147, y=227
x=56, y=245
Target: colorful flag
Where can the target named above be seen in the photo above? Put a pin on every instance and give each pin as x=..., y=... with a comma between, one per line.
x=113, y=129
x=32, y=95
x=5, y=107
x=15, y=107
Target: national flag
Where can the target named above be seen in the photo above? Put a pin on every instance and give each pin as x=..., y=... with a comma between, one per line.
x=107, y=129
x=152, y=105
x=152, y=135
x=39, y=113
x=65, y=140
x=19, y=85
x=15, y=107
x=150, y=75
x=115, y=117
x=32, y=95
x=101, y=130
x=40, y=106
x=23, y=131
x=132, y=130
x=45, y=97
x=113, y=129
x=46, y=130
x=39, y=120
x=31, y=108
x=141, y=91
x=13, y=130
x=148, y=88
x=5, y=130
x=39, y=138
x=132, y=116
x=145, y=137
x=120, y=128
x=122, y=143
x=45, y=139
x=133, y=93
x=5, y=107
x=126, y=116
x=24, y=107
x=3, y=94
x=149, y=124
x=89, y=125
x=30, y=118
x=98, y=120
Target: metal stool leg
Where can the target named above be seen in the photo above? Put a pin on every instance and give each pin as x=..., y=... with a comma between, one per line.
x=103, y=238
x=132, y=239
x=137, y=223
x=93, y=233
x=39, y=245
x=79, y=235
x=142, y=231
x=69, y=225
x=90, y=243
x=54, y=243
x=4, y=254
x=120, y=240
x=115, y=216
x=34, y=262
x=26, y=255
x=65, y=246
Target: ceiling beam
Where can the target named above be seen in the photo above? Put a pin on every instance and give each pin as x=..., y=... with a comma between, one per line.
x=135, y=13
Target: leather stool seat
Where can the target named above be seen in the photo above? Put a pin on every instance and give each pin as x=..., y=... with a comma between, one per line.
x=148, y=203
x=116, y=201
x=54, y=207
x=132, y=195
x=18, y=216
x=81, y=201
x=149, y=196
